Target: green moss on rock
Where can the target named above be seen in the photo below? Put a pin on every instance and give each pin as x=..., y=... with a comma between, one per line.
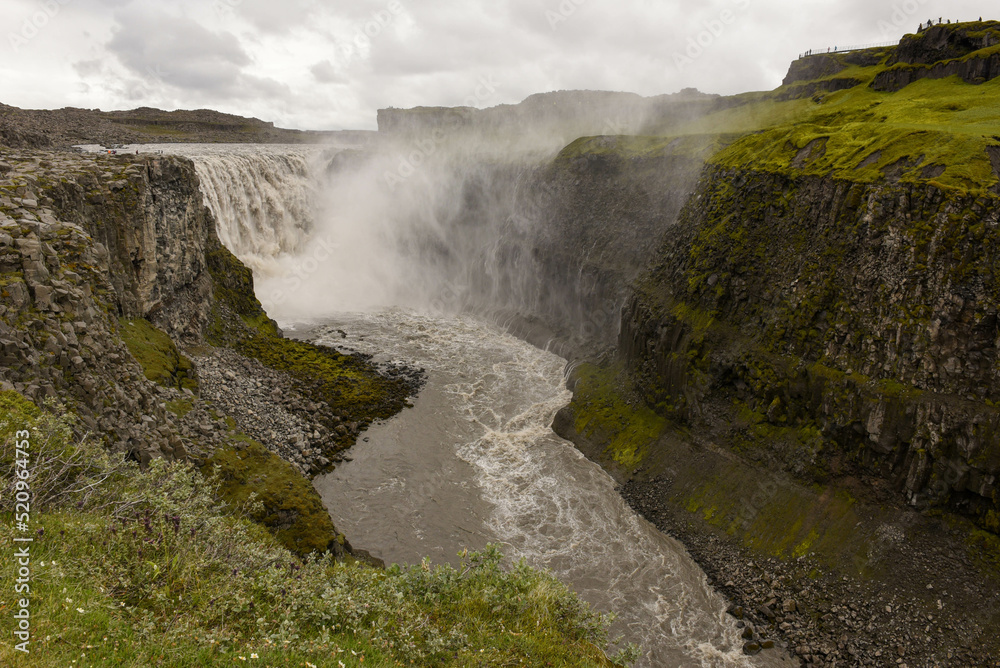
x=15, y=407
x=602, y=414
x=290, y=507
x=350, y=384
x=161, y=361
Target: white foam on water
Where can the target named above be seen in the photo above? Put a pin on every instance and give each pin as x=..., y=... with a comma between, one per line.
x=533, y=491
x=550, y=505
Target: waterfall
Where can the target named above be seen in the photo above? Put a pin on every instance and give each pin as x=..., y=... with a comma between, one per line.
x=329, y=231
x=475, y=461
x=264, y=201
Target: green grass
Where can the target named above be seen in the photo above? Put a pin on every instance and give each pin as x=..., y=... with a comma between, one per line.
x=929, y=126
x=150, y=568
x=932, y=122
x=289, y=506
x=943, y=122
x=160, y=360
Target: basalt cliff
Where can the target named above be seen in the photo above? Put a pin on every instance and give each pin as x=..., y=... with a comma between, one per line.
x=781, y=310
x=805, y=372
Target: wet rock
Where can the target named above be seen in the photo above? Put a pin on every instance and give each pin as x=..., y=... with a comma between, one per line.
x=767, y=612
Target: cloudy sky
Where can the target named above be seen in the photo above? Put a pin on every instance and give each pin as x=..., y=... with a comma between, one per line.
x=324, y=64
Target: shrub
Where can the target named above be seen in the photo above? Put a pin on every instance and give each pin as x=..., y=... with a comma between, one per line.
x=140, y=568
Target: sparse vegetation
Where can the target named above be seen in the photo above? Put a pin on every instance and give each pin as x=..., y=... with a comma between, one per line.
x=137, y=568
x=287, y=504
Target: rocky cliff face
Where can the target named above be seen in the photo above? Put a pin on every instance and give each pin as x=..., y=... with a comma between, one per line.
x=826, y=65
x=967, y=52
x=863, y=315
x=597, y=214
x=151, y=219
x=107, y=263
x=79, y=241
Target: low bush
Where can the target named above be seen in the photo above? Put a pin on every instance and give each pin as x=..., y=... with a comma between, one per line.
x=149, y=568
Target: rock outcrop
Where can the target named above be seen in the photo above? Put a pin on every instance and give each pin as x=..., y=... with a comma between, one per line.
x=966, y=51
x=67, y=277
x=813, y=67
x=866, y=311
x=149, y=215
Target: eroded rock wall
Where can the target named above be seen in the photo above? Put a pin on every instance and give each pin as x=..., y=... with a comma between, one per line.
x=866, y=313
x=85, y=241
x=582, y=229
x=148, y=213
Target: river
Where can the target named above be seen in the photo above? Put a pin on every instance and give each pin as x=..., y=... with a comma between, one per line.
x=475, y=460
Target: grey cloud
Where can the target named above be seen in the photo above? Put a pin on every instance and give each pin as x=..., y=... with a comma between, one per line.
x=178, y=51
x=296, y=62
x=325, y=72
x=282, y=18
x=88, y=68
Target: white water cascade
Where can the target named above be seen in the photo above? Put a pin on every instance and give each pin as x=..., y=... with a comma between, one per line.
x=475, y=461
x=267, y=198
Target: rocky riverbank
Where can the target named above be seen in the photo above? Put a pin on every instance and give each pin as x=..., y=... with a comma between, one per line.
x=924, y=614
x=840, y=573
x=121, y=307
x=269, y=406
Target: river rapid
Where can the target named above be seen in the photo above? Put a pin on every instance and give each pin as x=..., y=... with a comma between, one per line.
x=475, y=460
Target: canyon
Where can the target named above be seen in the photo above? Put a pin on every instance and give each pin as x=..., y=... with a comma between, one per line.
x=779, y=312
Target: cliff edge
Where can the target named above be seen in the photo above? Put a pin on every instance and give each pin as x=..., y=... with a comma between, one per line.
x=805, y=375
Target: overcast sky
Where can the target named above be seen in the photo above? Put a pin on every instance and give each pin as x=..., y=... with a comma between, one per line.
x=313, y=64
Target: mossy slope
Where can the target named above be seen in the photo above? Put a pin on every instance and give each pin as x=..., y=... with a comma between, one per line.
x=290, y=506
x=349, y=384
x=943, y=129
x=161, y=361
